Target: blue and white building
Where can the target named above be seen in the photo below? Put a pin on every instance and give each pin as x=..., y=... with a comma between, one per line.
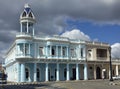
x=33, y=58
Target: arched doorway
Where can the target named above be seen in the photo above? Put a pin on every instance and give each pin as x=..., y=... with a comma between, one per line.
x=55, y=73
x=74, y=74
x=49, y=74
x=98, y=73
x=38, y=74
x=27, y=74
x=65, y=73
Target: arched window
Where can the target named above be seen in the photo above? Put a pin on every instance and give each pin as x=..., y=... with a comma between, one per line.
x=24, y=14
x=63, y=51
x=38, y=73
x=27, y=73
x=98, y=73
x=30, y=15
x=53, y=51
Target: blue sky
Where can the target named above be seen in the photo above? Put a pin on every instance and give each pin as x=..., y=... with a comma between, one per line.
x=107, y=33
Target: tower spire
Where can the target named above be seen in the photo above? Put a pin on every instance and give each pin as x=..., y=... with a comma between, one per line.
x=27, y=20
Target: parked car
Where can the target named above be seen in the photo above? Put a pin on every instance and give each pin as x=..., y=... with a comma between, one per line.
x=3, y=78
x=117, y=77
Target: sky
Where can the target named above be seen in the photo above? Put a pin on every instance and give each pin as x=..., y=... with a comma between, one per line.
x=91, y=20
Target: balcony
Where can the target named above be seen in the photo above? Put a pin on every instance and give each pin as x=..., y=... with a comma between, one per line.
x=23, y=35
x=98, y=59
x=96, y=43
x=41, y=56
x=23, y=56
x=102, y=59
x=57, y=57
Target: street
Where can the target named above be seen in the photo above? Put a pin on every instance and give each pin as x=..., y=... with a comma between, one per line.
x=90, y=84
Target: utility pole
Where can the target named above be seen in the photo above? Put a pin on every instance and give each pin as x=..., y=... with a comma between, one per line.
x=111, y=79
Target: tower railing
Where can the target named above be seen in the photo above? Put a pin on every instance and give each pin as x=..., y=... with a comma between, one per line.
x=23, y=34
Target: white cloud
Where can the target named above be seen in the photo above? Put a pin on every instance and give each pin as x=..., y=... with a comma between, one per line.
x=51, y=16
x=76, y=34
x=115, y=50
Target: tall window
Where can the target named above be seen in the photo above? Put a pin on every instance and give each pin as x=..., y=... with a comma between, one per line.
x=53, y=51
x=26, y=49
x=63, y=51
x=26, y=73
x=41, y=51
x=89, y=53
x=20, y=49
x=101, y=53
x=73, y=53
x=30, y=31
x=55, y=73
x=38, y=73
x=81, y=52
x=65, y=73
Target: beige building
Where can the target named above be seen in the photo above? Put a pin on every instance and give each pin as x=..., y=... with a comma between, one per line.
x=98, y=60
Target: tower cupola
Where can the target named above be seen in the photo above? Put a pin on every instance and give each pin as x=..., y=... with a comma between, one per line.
x=27, y=20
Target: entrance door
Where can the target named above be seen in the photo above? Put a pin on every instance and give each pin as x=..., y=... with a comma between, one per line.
x=27, y=74
x=98, y=73
x=74, y=74
x=38, y=74
x=49, y=74
x=65, y=73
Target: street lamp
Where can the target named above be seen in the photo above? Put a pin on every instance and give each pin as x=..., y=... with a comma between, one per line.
x=111, y=79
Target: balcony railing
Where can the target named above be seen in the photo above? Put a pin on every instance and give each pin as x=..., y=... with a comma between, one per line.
x=102, y=58
x=57, y=56
x=98, y=59
x=97, y=43
x=23, y=34
x=23, y=55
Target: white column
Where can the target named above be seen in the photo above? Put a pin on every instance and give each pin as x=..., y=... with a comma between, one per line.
x=84, y=52
x=46, y=51
x=50, y=51
x=77, y=72
x=117, y=70
x=18, y=72
x=57, y=74
x=22, y=72
x=29, y=49
x=61, y=52
x=67, y=52
x=35, y=72
x=56, y=51
x=21, y=27
x=17, y=47
x=33, y=31
x=27, y=26
x=94, y=71
x=35, y=51
x=68, y=76
x=24, y=49
x=79, y=51
x=46, y=72
x=85, y=72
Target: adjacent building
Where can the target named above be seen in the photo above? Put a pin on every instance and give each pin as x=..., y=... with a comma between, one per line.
x=116, y=67
x=34, y=58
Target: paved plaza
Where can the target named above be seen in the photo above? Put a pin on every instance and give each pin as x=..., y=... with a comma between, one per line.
x=90, y=84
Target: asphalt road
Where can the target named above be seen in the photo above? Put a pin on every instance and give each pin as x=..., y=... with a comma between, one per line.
x=90, y=84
